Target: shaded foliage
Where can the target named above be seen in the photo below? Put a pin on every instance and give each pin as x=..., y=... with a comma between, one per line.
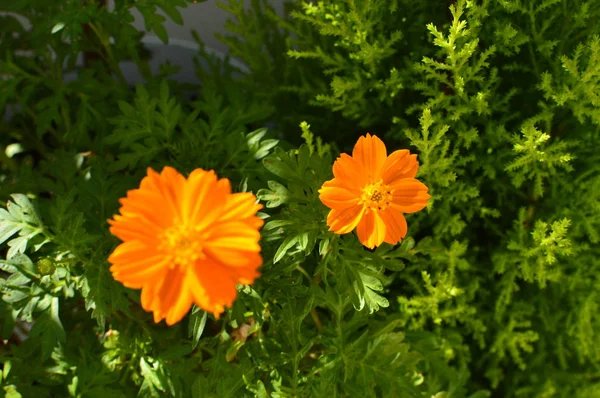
x=494, y=292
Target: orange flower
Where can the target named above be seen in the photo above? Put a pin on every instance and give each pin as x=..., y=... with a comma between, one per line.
x=370, y=192
x=186, y=241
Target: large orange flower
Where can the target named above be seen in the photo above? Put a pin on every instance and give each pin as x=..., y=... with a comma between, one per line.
x=186, y=241
x=371, y=191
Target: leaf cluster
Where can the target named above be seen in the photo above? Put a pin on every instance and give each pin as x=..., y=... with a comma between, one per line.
x=493, y=291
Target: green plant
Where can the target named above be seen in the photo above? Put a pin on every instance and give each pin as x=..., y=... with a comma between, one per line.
x=494, y=292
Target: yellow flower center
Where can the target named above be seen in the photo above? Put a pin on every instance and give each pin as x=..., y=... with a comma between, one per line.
x=183, y=245
x=376, y=196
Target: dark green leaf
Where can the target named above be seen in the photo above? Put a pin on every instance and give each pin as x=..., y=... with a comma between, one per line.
x=275, y=196
x=197, y=324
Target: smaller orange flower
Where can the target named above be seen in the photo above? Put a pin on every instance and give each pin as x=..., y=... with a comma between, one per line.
x=186, y=241
x=371, y=191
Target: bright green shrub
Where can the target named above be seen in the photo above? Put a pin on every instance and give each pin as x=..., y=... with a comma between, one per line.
x=493, y=293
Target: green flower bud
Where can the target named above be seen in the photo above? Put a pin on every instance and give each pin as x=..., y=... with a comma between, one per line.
x=45, y=266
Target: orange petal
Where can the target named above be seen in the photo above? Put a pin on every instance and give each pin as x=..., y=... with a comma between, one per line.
x=409, y=195
x=395, y=226
x=196, y=192
x=135, y=274
x=371, y=230
x=231, y=243
x=342, y=221
x=232, y=235
x=212, y=286
x=134, y=228
x=151, y=300
x=254, y=222
x=247, y=275
x=349, y=173
x=172, y=300
x=181, y=306
x=149, y=297
x=240, y=206
x=371, y=153
x=130, y=251
x=144, y=204
x=400, y=164
x=336, y=197
x=206, y=200
x=235, y=258
x=170, y=183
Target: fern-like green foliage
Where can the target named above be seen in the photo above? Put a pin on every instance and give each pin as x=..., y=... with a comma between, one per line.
x=537, y=160
x=359, y=39
x=578, y=87
x=20, y=218
x=494, y=290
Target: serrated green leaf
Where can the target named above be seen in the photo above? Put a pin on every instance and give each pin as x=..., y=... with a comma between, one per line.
x=49, y=329
x=280, y=164
x=20, y=218
x=21, y=264
x=253, y=138
x=126, y=109
x=17, y=279
x=197, y=324
x=323, y=246
x=17, y=246
x=285, y=246
x=274, y=224
x=257, y=148
x=26, y=313
x=15, y=296
x=8, y=230
x=15, y=212
x=365, y=288
x=24, y=203
x=151, y=376
x=374, y=301
x=6, y=216
x=303, y=241
x=275, y=196
x=265, y=148
x=311, y=241
x=407, y=244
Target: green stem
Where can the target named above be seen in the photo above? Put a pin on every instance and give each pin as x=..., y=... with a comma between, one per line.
x=535, y=38
x=317, y=320
x=313, y=312
x=303, y=271
x=108, y=56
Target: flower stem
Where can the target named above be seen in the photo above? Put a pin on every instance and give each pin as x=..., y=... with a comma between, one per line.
x=313, y=312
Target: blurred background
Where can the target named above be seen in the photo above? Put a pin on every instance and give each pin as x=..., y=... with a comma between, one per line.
x=207, y=18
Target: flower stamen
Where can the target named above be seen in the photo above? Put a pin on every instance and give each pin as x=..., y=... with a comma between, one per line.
x=182, y=244
x=376, y=196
